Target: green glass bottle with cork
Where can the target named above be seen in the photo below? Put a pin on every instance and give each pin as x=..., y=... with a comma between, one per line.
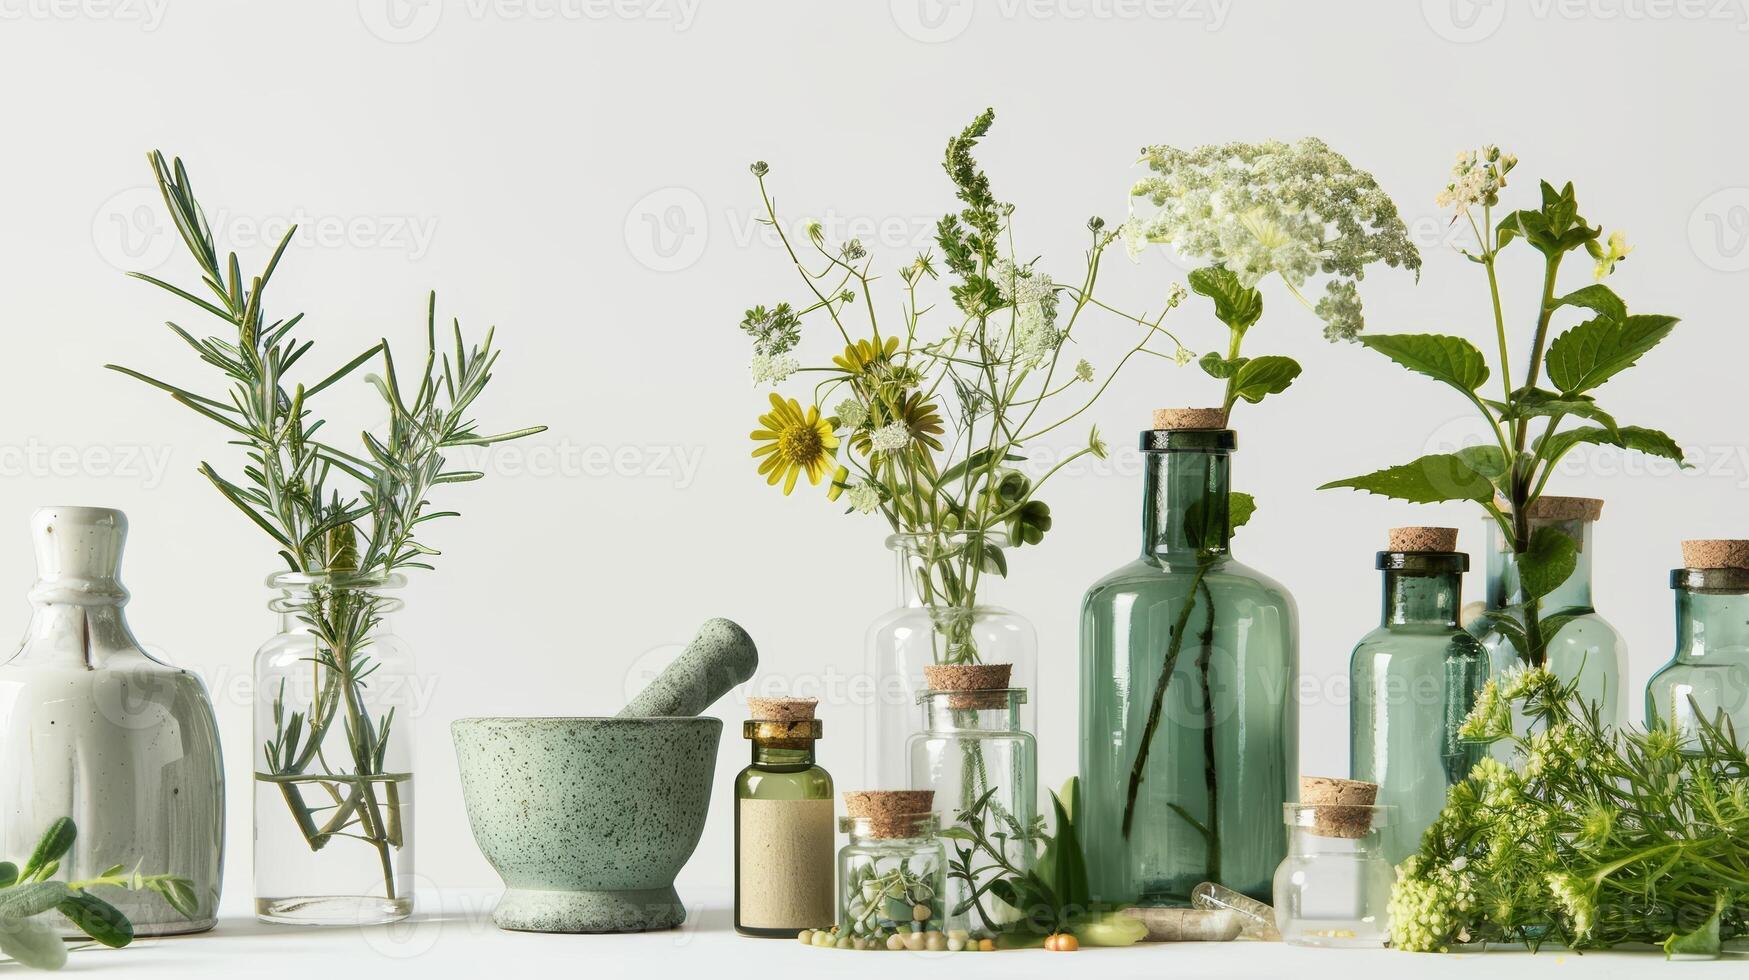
x=1707, y=681
x=1413, y=680
x=783, y=824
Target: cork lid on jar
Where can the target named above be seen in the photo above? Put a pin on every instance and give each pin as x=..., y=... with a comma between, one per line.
x=782, y=722
x=971, y=686
x=1548, y=508
x=1341, y=807
x=1412, y=540
x=782, y=709
x=1168, y=419
x=892, y=814
x=1715, y=553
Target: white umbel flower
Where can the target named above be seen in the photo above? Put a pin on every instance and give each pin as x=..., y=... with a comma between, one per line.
x=891, y=437
x=864, y=498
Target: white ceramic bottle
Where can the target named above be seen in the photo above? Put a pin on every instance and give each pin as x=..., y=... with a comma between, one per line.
x=94, y=728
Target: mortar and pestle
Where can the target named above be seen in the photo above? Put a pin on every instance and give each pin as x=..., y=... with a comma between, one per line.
x=588, y=820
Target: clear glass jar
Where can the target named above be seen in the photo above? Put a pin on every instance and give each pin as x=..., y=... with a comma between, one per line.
x=1189, y=715
x=941, y=618
x=1334, y=887
x=1412, y=681
x=334, y=699
x=783, y=832
x=972, y=745
x=892, y=877
x=1584, y=645
x=1709, y=674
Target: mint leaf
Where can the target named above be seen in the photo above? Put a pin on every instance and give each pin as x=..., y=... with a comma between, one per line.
x=1240, y=507
x=1216, y=366
x=1598, y=349
x=1236, y=305
x=1630, y=437
x=1452, y=360
x=1551, y=559
x=1598, y=298
x=1261, y=376
x=1464, y=475
x=1529, y=403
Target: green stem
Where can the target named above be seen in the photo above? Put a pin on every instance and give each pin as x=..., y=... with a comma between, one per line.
x=1175, y=645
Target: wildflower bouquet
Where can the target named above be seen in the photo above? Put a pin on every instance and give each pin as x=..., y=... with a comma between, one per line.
x=1596, y=838
x=1531, y=427
x=926, y=430
x=1268, y=210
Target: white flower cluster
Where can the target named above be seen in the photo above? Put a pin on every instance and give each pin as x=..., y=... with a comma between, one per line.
x=773, y=368
x=1034, y=298
x=1426, y=909
x=864, y=498
x=1477, y=179
x=1259, y=209
x=891, y=437
x=851, y=413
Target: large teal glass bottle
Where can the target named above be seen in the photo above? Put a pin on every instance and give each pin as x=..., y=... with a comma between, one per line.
x=1584, y=646
x=1189, y=724
x=1708, y=678
x=1411, y=682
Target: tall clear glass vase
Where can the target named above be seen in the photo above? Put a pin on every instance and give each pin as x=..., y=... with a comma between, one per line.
x=1189, y=721
x=941, y=619
x=1583, y=644
x=334, y=755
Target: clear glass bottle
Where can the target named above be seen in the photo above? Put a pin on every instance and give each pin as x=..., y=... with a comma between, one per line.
x=783, y=824
x=1709, y=674
x=972, y=746
x=1334, y=887
x=334, y=700
x=1412, y=681
x=1189, y=720
x=942, y=618
x=1584, y=645
x=892, y=875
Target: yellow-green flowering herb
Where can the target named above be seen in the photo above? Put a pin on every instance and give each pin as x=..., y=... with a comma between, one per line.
x=1591, y=838
x=1531, y=425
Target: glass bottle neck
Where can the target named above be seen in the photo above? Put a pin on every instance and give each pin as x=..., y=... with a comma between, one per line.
x=943, y=570
x=981, y=711
x=1184, y=503
x=1505, y=589
x=1712, y=625
x=1421, y=598
x=786, y=756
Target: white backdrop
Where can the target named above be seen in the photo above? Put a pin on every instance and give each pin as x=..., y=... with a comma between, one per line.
x=575, y=172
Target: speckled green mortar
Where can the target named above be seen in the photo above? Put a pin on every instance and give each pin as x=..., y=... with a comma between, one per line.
x=587, y=820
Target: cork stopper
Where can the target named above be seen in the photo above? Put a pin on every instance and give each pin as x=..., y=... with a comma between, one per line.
x=1565, y=509
x=1442, y=540
x=891, y=814
x=781, y=709
x=1715, y=553
x=986, y=684
x=1190, y=418
x=1344, y=805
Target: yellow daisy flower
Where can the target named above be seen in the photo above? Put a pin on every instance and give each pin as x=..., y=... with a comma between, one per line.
x=793, y=443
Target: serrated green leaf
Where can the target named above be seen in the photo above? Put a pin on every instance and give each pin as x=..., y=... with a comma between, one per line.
x=1529, y=403
x=32, y=943
x=1452, y=360
x=1468, y=474
x=1592, y=352
x=1236, y=305
x=1598, y=298
x=1630, y=437
x=1548, y=562
x=55, y=841
x=1503, y=622
x=1262, y=376
x=97, y=919
x=1240, y=507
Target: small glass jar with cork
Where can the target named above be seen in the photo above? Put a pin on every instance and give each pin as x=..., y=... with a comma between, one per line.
x=1334, y=888
x=983, y=769
x=1707, y=680
x=783, y=824
x=892, y=873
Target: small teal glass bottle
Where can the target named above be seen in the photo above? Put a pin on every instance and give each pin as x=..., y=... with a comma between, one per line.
x=1585, y=646
x=1189, y=666
x=1708, y=678
x=1411, y=682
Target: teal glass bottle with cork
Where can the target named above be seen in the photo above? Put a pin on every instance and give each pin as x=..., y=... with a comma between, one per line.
x=1189, y=665
x=1707, y=680
x=783, y=824
x=1412, y=681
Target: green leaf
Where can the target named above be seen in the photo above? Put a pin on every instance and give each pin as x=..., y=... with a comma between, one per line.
x=1240, y=507
x=1464, y=475
x=1261, y=376
x=1630, y=437
x=33, y=944
x=55, y=842
x=1703, y=941
x=1503, y=622
x=1598, y=298
x=97, y=919
x=1216, y=366
x=1452, y=360
x=957, y=833
x=1598, y=349
x=8, y=874
x=24, y=901
x=1069, y=865
x=1551, y=559
x=1236, y=305
x=1529, y=403
x=178, y=892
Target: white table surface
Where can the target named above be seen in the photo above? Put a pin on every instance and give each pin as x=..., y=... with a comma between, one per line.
x=452, y=936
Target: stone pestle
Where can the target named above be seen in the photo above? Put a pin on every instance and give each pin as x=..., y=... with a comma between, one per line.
x=721, y=656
